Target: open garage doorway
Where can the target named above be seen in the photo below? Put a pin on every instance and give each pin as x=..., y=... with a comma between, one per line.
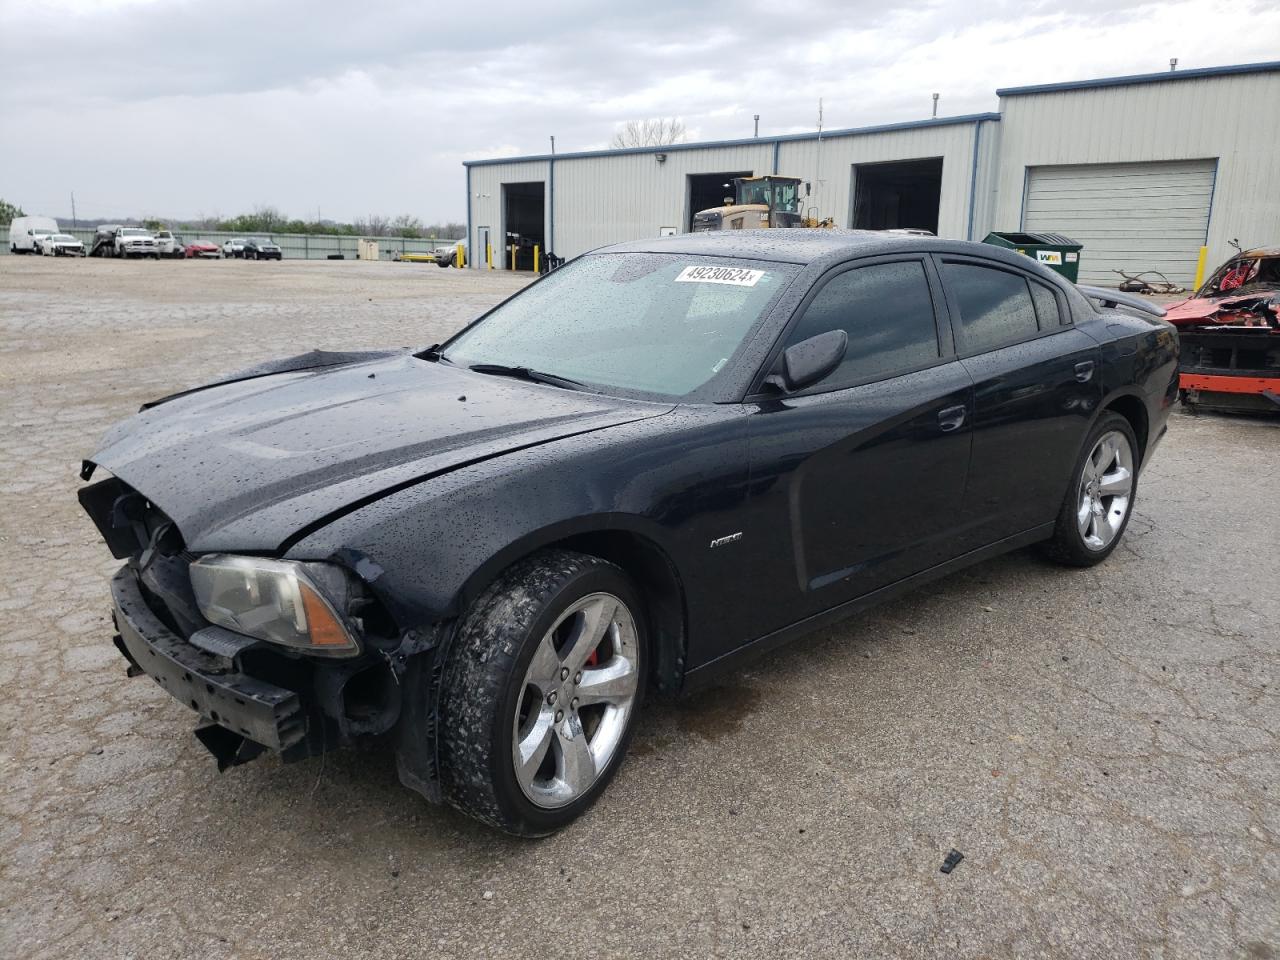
x=904, y=193
x=707, y=190
x=524, y=209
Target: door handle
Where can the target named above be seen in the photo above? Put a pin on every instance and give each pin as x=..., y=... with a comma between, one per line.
x=951, y=418
x=1084, y=371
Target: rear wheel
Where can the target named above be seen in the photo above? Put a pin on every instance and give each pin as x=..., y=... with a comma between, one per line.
x=541, y=692
x=1100, y=499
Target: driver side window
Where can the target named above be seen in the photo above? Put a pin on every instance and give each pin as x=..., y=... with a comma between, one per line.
x=887, y=311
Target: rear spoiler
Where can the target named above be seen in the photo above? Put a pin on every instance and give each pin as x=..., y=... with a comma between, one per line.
x=1114, y=298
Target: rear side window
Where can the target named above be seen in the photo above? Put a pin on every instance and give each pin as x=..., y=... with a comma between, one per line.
x=887, y=311
x=1046, y=306
x=995, y=306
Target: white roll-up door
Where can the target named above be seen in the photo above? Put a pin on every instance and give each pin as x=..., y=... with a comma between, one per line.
x=1129, y=216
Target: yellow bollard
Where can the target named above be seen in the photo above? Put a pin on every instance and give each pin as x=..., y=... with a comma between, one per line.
x=513, y=258
x=460, y=260
x=535, y=258
x=1204, y=251
x=488, y=254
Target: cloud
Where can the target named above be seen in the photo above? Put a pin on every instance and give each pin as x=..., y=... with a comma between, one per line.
x=180, y=107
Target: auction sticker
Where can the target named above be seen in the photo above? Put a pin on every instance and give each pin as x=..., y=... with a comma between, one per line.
x=736, y=276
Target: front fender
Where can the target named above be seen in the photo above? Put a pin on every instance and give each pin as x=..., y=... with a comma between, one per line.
x=428, y=550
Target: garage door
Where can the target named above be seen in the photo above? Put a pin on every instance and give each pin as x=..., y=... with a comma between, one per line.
x=1129, y=216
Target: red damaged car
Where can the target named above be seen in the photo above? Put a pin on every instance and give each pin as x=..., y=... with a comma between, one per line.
x=1230, y=335
x=203, y=248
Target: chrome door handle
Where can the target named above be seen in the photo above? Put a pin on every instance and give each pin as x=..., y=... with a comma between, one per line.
x=951, y=418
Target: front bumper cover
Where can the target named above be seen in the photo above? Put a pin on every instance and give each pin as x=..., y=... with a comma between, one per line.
x=271, y=716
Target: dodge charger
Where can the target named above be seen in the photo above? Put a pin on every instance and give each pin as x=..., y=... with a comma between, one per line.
x=653, y=462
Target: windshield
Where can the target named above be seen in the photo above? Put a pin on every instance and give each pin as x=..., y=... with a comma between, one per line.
x=133, y=232
x=753, y=191
x=651, y=323
x=63, y=238
x=1244, y=274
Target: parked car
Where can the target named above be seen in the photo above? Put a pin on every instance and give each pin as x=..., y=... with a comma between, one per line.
x=488, y=549
x=169, y=244
x=60, y=245
x=135, y=242
x=258, y=249
x=234, y=248
x=25, y=232
x=203, y=248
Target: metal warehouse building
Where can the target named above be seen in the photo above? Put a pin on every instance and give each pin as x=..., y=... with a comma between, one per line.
x=1143, y=170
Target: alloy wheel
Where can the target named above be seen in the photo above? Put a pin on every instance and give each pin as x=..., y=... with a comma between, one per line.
x=1106, y=488
x=576, y=700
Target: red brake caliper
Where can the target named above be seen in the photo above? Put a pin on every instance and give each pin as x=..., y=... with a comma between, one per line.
x=594, y=659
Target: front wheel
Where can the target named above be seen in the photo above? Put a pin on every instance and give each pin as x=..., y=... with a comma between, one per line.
x=541, y=692
x=1100, y=499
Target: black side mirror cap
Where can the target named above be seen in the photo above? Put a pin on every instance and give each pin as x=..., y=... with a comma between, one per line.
x=809, y=361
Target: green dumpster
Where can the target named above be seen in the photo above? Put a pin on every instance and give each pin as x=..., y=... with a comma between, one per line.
x=1052, y=249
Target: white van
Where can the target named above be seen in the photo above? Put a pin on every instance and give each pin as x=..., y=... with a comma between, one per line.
x=24, y=231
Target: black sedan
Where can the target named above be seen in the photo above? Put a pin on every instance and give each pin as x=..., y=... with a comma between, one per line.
x=651, y=463
x=259, y=249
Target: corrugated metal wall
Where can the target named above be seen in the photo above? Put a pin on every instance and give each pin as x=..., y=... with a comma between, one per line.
x=485, y=204
x=601, y=200
x=615, y=197
x=1233, y=118
x=830, y=168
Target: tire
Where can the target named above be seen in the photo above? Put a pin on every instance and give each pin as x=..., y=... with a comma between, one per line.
x=519, y=654
x=1096, y=510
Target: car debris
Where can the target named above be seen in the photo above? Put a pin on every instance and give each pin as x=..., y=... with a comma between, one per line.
x=952, y=861
x=1136, y=283
x=1229, y=332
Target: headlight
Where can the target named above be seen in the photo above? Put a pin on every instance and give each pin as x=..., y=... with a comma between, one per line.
x=273, y=600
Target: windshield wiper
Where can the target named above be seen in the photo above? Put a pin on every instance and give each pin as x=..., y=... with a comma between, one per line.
x=524, y=373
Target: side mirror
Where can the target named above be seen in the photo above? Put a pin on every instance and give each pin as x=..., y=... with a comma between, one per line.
x=805, y=363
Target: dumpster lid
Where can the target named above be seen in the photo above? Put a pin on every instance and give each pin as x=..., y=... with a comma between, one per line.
x=1035, y=239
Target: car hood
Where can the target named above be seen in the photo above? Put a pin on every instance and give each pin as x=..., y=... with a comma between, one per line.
x=65, y=243
x=251, y=464
x=137, y=239
x=1224, y=307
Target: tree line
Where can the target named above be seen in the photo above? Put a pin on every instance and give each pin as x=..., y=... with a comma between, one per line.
x=270, y=220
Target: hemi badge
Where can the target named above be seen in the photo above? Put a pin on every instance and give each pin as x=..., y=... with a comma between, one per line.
x=723, y=540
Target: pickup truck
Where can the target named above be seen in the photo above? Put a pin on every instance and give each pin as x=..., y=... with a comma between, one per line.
x=170, y=245
x=135, y=242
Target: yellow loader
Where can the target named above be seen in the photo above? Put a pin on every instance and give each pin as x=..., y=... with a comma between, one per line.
x=759, y=202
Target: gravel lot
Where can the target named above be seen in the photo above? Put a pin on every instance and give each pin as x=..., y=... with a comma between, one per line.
x=1103, y=746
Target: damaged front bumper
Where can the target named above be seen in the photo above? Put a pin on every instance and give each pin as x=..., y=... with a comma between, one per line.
x=252, y=715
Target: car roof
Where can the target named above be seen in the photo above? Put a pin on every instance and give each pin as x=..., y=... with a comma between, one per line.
x=808, y=246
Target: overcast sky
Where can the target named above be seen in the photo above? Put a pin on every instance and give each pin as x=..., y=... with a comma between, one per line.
x=183, y=108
